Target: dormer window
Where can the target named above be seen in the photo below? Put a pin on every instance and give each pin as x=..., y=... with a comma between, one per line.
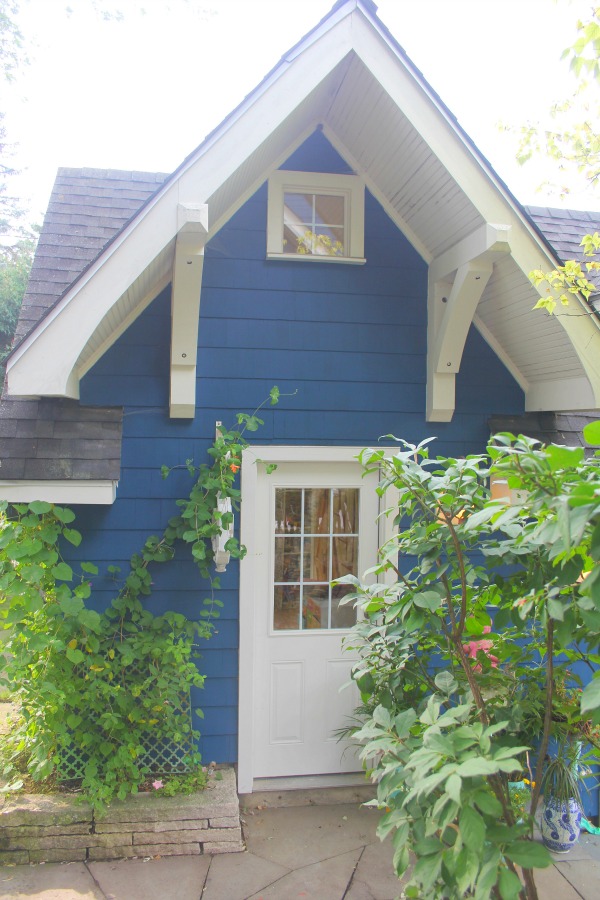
x=316, y=216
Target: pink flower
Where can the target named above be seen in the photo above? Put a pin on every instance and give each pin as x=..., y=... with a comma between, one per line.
x=157, y=785
x=473, y=648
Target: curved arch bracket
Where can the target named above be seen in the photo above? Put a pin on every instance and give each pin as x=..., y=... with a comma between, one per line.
x=451, y=305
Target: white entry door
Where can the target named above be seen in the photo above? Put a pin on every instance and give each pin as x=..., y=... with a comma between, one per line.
x=314, y=521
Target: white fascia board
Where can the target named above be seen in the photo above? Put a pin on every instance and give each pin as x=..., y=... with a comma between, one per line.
x=578, y=320
x=45, y=363
x=129, y=319
x=561, y=395
x=294, y=83
x=37, y=368
x=89, y=492
x=486, y=193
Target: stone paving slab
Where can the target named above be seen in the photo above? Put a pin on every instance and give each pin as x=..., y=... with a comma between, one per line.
x=583, y=876
x=312, y=853
x=236, y=876
x=51, y=882
x=551, y=885
x=179, y=877
x=328, y=878
x=300, y=836
x=374, y=878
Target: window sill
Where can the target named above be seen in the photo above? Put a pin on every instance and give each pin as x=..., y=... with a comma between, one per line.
x=310, y=257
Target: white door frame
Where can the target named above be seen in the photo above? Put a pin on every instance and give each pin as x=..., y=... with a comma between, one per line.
x=252, y=458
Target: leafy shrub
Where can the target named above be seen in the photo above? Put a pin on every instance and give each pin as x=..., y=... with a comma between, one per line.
x=479, y=606
x=106, y=688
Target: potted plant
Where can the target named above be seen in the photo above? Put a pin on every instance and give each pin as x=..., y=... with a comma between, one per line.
x=562, y=807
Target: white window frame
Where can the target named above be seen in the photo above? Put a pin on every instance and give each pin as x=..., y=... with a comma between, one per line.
x=350, y=187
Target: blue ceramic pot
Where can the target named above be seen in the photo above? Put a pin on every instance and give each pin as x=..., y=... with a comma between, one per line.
x=561, y=824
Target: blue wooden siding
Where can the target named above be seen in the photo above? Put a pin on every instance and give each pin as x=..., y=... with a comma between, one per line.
x=350, y=340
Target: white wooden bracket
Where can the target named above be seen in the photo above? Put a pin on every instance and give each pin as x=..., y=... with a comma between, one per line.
x=192, y=234
x=457, y=280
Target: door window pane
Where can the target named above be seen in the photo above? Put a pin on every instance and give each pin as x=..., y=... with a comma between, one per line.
x=286, y=614
x=316, y=511
x=315, y=541
x=345, y=556
x=315, y=606
x=316, y=559
x=288, y=510
x=341, y=616
x=287, y=559
x=345, y=510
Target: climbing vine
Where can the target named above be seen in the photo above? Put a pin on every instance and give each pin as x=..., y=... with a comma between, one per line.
x=106, y=687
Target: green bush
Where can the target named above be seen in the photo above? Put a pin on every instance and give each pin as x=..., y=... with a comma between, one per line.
x=105, y=688
x=479, y=607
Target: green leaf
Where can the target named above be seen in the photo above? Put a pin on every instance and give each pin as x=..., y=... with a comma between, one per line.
x=564, y=457
x=595, y=543
x=591, y=433
x=509, y=885
x=556, y=609
x=75, y=655
x=382, y=717
x=528, y=854
x=476, y=766
x=39, y=507
x=487, y=803
x=453, y=787
x=64, y=515
x=428, y=600
x=73, y=537
x=590, y=698
x=63, y=572
x=472, y=828
x=446, y=682
x=90, y=568
x=71, y=606
x=483, y=515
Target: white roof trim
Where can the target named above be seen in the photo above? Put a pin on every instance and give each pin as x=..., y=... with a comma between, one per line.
x=89, y=492
x=35, y=368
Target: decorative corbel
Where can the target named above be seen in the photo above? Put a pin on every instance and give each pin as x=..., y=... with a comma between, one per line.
x=192, y=234
x=451, y=305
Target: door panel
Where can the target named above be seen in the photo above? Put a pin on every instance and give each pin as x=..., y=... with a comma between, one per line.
x=314, y=521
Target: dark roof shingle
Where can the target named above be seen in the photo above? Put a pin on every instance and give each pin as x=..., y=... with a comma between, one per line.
x=87, y=208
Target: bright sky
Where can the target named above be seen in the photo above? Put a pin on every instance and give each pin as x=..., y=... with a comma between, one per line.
x=143, y=92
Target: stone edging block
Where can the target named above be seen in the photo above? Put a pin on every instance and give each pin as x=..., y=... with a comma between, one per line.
x=61, y=828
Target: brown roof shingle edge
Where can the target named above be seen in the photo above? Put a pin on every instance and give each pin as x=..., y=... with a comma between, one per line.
x=547, y=427
x=56, y=439
x=87, y=209
x=52, y=439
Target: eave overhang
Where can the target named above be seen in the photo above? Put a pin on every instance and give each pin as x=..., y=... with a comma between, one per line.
x=68, y=491
x=350, y=77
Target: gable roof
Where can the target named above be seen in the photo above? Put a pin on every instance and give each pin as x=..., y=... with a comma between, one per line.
x=351, y=78
x=89, y=207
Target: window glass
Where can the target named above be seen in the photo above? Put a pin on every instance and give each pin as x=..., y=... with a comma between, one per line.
x=316, y=540
x=313, y=224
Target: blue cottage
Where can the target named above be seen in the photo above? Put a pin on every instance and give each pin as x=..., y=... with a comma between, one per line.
x=338, y=235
